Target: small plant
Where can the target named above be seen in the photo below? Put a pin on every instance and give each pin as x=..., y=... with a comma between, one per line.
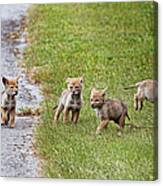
x=29, y=112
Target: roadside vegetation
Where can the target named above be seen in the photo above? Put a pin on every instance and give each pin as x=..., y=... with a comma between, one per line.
x=111, y=45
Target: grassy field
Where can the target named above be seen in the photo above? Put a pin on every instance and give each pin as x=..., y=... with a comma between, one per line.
x=110, y=45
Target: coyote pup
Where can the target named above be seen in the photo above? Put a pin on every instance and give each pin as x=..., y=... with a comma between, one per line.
x=108, y=109
x=70, y=100
x=8, y=101
x=147, y=89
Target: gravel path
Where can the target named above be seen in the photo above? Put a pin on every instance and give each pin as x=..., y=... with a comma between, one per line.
x=17, y=155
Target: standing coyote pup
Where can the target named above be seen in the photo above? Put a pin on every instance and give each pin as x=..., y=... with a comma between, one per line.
x=8, y=101
x=70, y=100
x=108, y=109
x=146, y=90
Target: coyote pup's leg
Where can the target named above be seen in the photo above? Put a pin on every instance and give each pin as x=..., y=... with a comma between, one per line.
x=12, y=118
x=65, y=115
x=138, y=100
x=103, y=124
x=3, y=117
x=135, y=101
x=121, y=123
x=122, y=120
x=58, y=111
x=75, y=116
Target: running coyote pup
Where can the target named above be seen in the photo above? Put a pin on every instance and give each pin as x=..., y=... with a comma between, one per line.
x=70, y=100
x=108, y=109
x=8, y=101
x=146, y=90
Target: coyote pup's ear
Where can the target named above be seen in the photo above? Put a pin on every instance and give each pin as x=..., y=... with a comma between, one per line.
x=104, y=92
x=93, y=89
x=68, y=80
x=5, y=81
x=17, y=78
x=81, y=79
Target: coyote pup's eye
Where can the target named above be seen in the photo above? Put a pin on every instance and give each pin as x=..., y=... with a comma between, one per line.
x=96, y=100
x=76, y=87
x=71, y=87
x=11, y=87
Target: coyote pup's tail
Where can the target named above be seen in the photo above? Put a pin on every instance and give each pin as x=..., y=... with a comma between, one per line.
x=133, y=86
x=128, y=116
x=55, y=107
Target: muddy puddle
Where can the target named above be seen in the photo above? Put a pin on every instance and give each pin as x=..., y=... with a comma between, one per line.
x=17, y=155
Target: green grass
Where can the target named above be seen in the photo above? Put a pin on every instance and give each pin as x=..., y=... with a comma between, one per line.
x=110, y=45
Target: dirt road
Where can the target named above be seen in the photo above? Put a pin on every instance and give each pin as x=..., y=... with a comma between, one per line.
x=17, y=155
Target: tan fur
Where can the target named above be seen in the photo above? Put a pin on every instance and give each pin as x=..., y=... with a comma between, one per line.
x=146, y=90
x=70, y=100
x=108, y=109
x=8, y=101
